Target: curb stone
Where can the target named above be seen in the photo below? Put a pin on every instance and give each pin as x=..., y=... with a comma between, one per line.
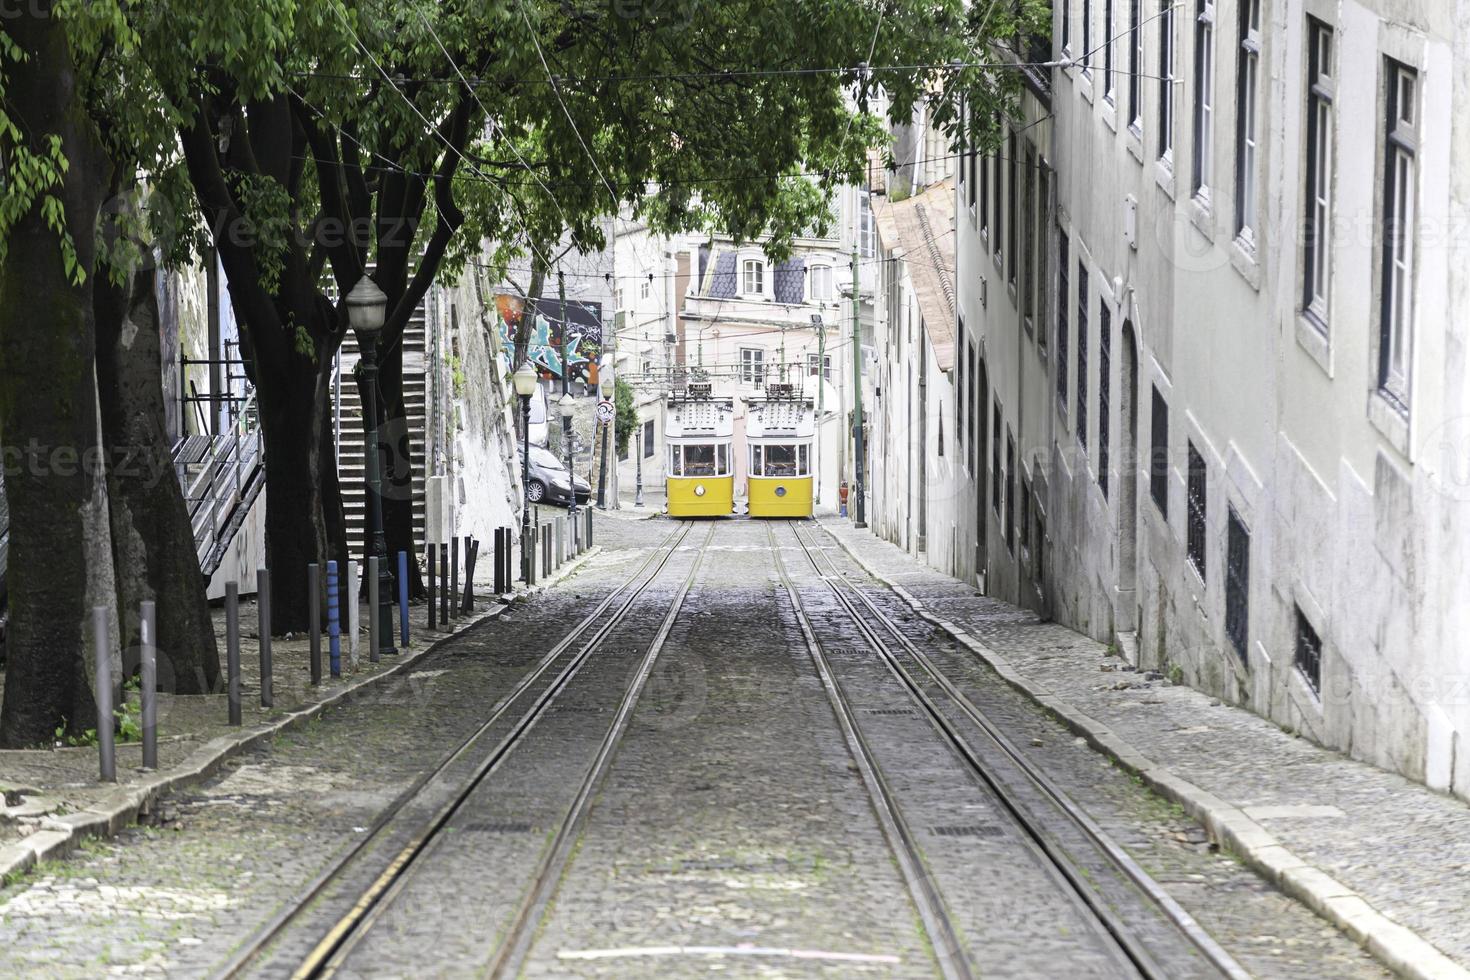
x=1398, y=948
x=121, y=806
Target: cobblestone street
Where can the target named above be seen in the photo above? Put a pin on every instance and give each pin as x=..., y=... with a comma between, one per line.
x=687, y=786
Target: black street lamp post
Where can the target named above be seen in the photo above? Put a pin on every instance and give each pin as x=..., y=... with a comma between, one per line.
x=367, y=308
x=525, y=385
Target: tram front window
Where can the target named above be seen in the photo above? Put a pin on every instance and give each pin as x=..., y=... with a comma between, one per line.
x=699, y=461
x=780, y=461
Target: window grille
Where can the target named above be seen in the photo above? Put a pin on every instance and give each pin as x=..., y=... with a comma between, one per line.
x=1198, y=511
x=1158, y=468
x=1237, y=584
x=1308, y=651
x=1104, y=392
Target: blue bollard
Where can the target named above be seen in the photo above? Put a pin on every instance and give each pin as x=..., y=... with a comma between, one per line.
x=403, y=599
x=334, y=619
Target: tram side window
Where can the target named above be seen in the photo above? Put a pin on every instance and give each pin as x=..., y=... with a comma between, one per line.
x=724, y=458
x=676, y=461
x=699, y=460
x=780, y=461
x=802, y=468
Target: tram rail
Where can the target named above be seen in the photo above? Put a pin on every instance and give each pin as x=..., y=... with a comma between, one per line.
x=937, y=697
x=540, y=686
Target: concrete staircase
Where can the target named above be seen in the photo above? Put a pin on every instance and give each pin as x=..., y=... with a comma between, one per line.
x=350, y=460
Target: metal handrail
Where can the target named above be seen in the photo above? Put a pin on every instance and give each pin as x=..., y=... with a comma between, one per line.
x=216, y=490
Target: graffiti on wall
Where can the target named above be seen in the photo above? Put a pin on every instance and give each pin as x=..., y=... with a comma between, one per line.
x=562, y=337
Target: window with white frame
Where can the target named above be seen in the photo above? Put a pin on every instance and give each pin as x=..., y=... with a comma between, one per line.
x=822, y=282
x=1317, y=199
x=1166, y=81
x=1087, y=37
x=1401, y=146
x=1135, y=66
x=752, y=366
x=1109, y=92
x=868, y=228
x=755, y=277
x=811, y=365
x=645, y=288
x=1204, y=100
x=1247, y=84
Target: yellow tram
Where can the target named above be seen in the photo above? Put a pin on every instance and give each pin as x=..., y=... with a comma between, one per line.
x=698, y=430
x=779, y=429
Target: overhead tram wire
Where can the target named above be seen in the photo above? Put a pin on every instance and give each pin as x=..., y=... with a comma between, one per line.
x=617, y=203
x=430, y=128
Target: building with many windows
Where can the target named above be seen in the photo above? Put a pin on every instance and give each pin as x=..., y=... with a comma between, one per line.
x=1227, y=428
x=723, y=311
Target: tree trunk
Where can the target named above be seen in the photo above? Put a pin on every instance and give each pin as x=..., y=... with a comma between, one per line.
x=397, y=467
x=60, y=556
x=296, y=529
x=152, y=539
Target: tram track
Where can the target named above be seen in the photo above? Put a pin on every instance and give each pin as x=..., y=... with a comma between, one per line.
x=924, y=891
x=1077, y=849
x=479, y=753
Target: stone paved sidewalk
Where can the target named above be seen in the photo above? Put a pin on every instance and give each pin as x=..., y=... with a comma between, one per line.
x=49, y=798
x=1381, y=857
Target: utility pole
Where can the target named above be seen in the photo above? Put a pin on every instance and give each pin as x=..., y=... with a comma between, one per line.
x=857, y=386
x=857, y=327
x=820, y=325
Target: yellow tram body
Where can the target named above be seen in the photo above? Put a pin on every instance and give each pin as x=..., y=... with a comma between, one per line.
x=699, y=470
x=780, y=496
x=780, y=428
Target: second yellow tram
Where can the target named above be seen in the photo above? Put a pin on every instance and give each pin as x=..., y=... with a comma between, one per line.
x=780, y=428
x=700, y=477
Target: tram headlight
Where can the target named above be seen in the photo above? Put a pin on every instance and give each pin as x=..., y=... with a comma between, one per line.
x=699, y=489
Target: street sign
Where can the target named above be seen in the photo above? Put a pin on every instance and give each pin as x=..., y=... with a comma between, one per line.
x=605, y=412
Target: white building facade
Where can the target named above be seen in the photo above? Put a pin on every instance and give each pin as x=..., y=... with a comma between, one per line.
x=1238, y=395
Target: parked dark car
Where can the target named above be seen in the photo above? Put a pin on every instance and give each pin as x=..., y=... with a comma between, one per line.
x=551, y=483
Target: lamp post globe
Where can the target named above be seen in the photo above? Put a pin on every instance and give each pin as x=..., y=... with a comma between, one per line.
x=367, y=309
x=524, y=381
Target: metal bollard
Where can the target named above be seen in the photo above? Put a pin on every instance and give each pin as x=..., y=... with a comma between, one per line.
x=443, y=585
x=263, y=608
x=314, y=619
x=334, y=620
x=453, y=573
x=374, y=640
x=471, y=551
x=546, y=566
x=403, y=599
x=149, y=623
x=433, y=597
x=349, y=599
x=102, y=653
x=232, y=651
x=589, y=527
x=497, y=557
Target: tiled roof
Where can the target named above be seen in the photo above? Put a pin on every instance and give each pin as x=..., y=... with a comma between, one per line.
x=789, y=281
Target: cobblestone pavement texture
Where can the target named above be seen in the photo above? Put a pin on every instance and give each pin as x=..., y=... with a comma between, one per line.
x=1403, y=847
x=216, y=861
x=732, y=816
x=39, y=784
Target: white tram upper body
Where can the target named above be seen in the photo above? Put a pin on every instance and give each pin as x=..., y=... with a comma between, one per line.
x=699, y=430
x=780, y=427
